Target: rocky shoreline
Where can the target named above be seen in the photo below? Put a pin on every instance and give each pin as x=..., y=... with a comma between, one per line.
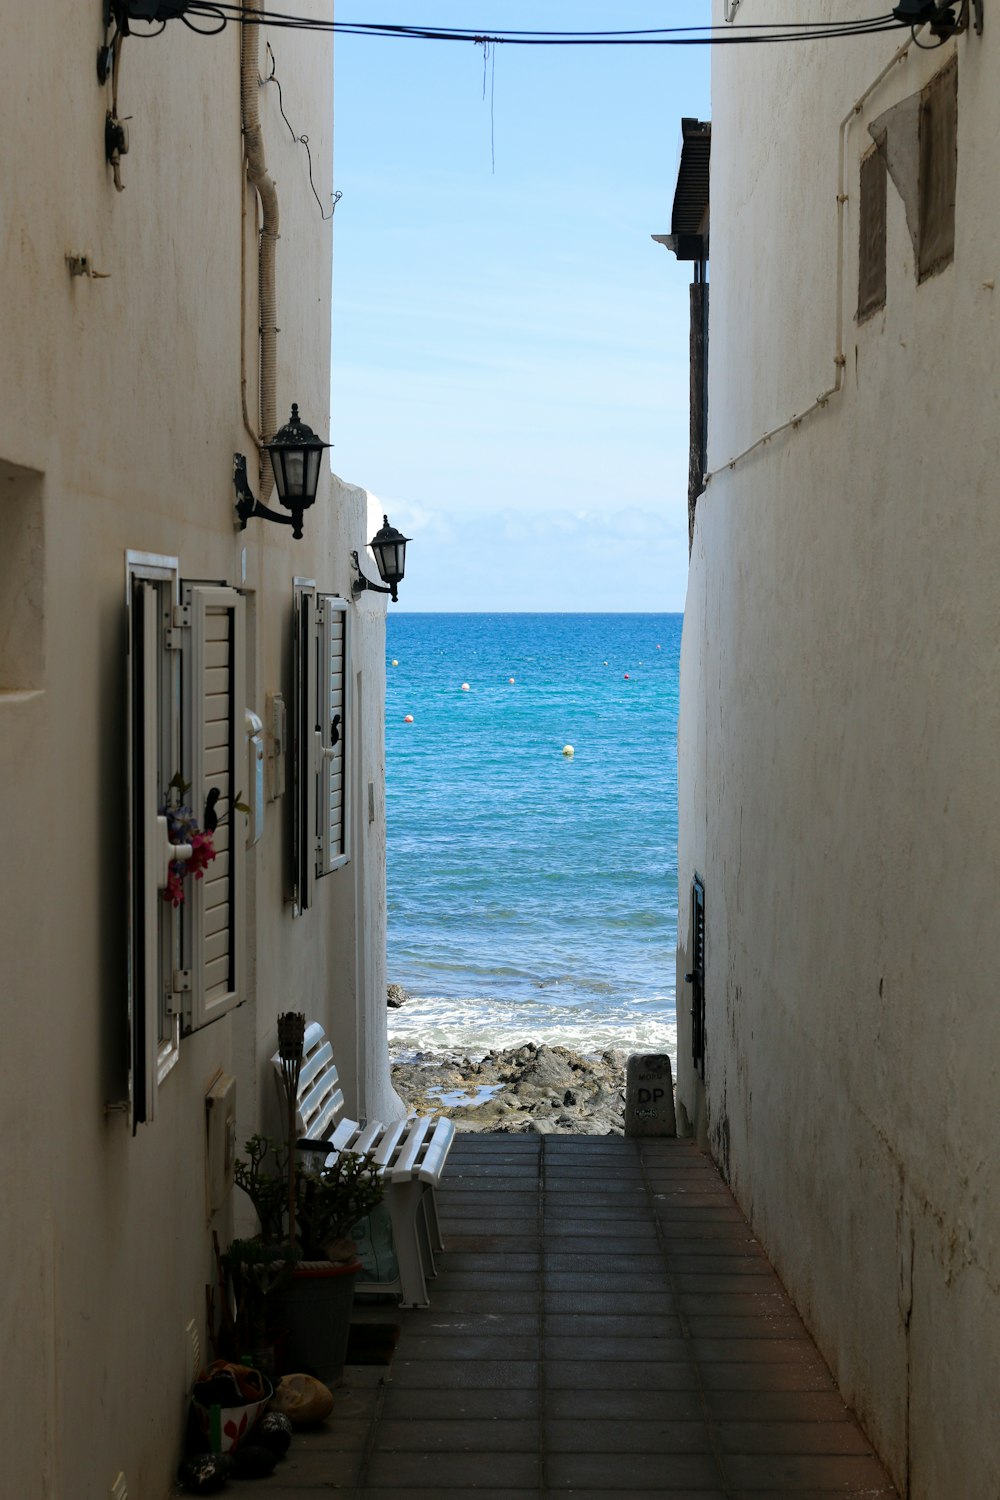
x=538, y=1089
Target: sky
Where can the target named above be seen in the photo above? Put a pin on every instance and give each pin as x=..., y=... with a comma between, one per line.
x=510, y=347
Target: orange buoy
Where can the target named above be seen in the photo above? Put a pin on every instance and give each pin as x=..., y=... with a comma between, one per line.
x=408, y=719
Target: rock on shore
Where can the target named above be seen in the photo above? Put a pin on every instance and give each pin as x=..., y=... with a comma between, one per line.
x=540, y=1089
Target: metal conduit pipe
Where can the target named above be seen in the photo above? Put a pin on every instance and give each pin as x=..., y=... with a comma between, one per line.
x=253, y=147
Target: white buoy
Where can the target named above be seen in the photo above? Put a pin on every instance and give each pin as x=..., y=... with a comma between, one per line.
x=465, y=687
x=568, y=751
x=510, y=679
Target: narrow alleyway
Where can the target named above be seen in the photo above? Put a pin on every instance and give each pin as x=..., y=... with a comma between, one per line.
x=603, y=1325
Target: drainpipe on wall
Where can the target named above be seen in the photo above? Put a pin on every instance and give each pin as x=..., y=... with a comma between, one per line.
x=253, y=146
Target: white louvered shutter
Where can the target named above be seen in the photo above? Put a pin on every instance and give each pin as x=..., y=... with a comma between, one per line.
x=213, y=678
x=333, y=721
x=304, y=745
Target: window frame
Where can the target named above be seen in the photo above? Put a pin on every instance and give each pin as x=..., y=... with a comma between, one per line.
x=152, y=743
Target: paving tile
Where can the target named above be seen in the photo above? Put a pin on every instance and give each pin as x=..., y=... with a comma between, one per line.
x=799, y=1350
x=663, y=1491
x=601, y=1171
x=341, y=1434
x=617, y=1278
x=470, y=1200
x=494, y=1374
x=884, y=1492
x=830, y=1472
x=415, y=1492
x=766, y=1376
x=612, y=1404
x=458, y=1435
x=582, y=1206
x=486, y=1281
x=510, y=1163
x=604, y=1192
x=630, y=1375
x=627, y=1437
x=614, y=1350
x=765, y=1325
x=731, y=1236
x=474, y=1322
x=471, y=1347
x=608, y=1325
x=596, y=1258
x=564, y=1471
x=843, y=1437
x=718, y=1266
x=482, y=1264
x=460, y=1405
x=670, y=1195
x=448, y=1471
x=706, y=1250
x=480, y=1237
x=558, y=1227
x=488, y=1302
x=305, y=1470
x=751, y=1301
x=609, y=1304
x=776, y=1406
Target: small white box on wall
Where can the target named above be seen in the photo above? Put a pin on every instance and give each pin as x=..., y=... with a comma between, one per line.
x=220, y=1139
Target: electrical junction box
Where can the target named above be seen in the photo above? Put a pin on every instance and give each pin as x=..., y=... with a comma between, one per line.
x=220, y=1138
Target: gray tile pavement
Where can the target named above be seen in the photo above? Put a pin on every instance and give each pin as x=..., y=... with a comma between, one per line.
x=603, y=1325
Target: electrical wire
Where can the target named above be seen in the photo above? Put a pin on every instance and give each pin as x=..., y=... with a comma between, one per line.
x=675, y=36
x=300, y=140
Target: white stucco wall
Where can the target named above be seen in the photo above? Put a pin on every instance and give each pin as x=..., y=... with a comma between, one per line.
x=840, y=712
x=120, y=410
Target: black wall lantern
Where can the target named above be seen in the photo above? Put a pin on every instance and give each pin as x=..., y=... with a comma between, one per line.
x=389, y=547
x=295, y=457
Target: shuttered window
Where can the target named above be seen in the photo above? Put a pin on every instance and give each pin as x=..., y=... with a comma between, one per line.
x=185, y=721
x=331, y=666
x=320, y=739
x=212, y=708
x=696, y=978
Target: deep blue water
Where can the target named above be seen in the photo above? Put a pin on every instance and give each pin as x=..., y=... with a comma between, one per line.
x=532, y=895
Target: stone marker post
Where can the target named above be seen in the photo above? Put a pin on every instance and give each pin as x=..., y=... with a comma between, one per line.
x=649, y=1095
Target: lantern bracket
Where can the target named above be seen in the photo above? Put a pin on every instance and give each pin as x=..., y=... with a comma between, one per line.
x=361, y=582
x=248, y=506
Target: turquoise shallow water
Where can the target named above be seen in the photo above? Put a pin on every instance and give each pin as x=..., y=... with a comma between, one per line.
x=532, y=896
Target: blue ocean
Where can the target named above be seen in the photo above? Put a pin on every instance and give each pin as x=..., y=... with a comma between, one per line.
x=532, y=892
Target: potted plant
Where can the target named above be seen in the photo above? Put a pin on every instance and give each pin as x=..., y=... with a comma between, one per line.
x=305, y=1285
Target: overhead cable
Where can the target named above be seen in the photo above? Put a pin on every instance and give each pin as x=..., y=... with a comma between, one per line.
x=221, y=11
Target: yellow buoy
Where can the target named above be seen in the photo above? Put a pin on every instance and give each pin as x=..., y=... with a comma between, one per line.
x=568, y=751
x=395, y=662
